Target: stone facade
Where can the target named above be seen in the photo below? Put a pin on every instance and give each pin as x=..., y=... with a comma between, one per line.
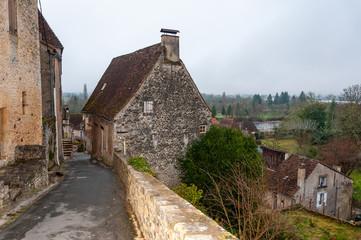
x=313, y=184
x=162, y=136
x=160, y=212
x=158, y=121
x=20, y=82
x=337, y=192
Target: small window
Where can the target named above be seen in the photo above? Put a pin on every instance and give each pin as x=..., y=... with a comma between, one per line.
x=12, y=16
x=282, y=203
x=322, y=181
x=104, y=85
x=148, y=106
x=24, y=102
x=202, y=129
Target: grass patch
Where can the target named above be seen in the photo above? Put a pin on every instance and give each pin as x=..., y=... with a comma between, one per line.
x=309, y=226
x=141, y=164
x=288, y=145
x=356, y=176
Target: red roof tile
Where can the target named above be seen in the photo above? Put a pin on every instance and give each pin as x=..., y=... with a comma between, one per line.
x=121, y=81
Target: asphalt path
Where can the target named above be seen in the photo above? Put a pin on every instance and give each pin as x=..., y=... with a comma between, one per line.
x=88, y=204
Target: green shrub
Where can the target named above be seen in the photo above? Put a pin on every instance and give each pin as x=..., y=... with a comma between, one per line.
x=141, y=164
x=215, y=152
x=192, y=194
x=189, y=193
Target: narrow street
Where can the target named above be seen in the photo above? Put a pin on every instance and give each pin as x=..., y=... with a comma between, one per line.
x=88, y=204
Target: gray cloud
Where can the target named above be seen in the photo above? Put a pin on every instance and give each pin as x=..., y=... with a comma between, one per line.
x=264, y=46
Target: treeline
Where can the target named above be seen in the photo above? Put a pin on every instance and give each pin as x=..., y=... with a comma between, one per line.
x=75, y=101
x=256, y=106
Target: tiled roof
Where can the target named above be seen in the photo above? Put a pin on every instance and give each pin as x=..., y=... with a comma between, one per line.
x=284, y=179
x=228, y=122
x=249, y=125
x=46, y=30
x=121, y=81
x=214, y=121
x=76, y=120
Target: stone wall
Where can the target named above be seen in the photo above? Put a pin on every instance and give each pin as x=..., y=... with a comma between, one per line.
x=160, y=212
x=102, y=133
x=50, y=81
x=338, y=189
x=28, y=173
x=20, y=84
x=163, y=135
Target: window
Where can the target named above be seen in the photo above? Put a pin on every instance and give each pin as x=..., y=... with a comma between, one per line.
x=148, y=106
x=24, y=102
x=322, y=181
x=282, y=203
x=12, y=16
x=321, y=199
x=202, y=129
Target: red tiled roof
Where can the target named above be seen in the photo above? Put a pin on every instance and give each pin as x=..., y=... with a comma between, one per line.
x=121, y=81
x=284, y=179
x=51, y=38
x=227, y=122
x=214, y=121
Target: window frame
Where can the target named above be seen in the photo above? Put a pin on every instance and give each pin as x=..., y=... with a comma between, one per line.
x=322, y=181
x=202, y=129
x=148, y=107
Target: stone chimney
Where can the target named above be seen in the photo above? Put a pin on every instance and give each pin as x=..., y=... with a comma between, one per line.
x=337, y=168
x=170, y=42
x=301, y=175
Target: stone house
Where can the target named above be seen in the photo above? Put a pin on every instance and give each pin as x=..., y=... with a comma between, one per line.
x=20, y=79
x=146, y=104
x=295, y=180
x=25, y=70
x=51, y=51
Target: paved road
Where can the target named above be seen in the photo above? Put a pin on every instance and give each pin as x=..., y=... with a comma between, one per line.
x=86, y=205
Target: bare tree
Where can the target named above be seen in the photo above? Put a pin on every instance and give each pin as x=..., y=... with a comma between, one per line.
x=352, y=94
x=343, y=152
x=349, y=116
x=238, y=204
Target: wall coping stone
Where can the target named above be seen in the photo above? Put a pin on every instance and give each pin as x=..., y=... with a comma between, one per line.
x=161, y=213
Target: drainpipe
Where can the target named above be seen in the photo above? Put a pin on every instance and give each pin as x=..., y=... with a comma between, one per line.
x=56, y=130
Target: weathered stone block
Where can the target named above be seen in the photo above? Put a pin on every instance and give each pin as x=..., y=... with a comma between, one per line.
x=30, y=152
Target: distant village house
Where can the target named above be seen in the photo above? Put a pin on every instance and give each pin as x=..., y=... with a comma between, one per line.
x=295, y=180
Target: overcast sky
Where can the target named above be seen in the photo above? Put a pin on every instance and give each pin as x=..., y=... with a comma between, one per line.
x=236, y=46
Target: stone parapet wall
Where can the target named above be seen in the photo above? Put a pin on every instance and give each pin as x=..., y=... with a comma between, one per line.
x=160, y=212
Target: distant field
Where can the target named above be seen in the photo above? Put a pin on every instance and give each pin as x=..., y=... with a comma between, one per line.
x=313, y=227
x=288, y=145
